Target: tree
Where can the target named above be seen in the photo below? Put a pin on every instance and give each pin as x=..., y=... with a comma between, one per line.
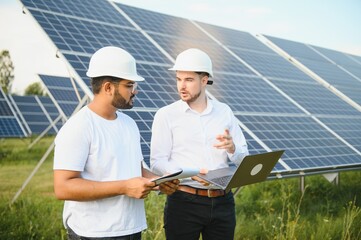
x=6, y=71
x=34, y=89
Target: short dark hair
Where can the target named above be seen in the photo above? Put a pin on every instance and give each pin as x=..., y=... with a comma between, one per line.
x=202, y=74
x=97, y=82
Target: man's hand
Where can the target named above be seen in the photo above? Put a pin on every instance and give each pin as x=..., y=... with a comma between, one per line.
x=225, y=142
x=139, y=187
x=200, y=180
x=169, y=187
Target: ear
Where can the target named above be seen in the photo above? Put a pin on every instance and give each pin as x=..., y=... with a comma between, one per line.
x=204, y=80
x=108, y=88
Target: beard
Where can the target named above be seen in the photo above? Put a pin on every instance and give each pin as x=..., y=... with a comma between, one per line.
x=120, y=103
x=192, y=98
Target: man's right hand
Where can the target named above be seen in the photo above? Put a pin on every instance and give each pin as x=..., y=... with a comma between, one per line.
x=138, y=187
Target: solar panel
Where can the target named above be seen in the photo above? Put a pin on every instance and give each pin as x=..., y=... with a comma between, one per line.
x=250, y=94
x=355, y=58
x=35, y=114
x=272, y=66
x=236, y=39
x=277, y=104
x=323, y=67
x=94, y=11
x=337, y=57
x=315, y=98
x=144, y=121
x=78, y=35
x=345, y=61
x=347, y=127
x=163, y=24
x=10, y=125
x=62, y=90
x=296, y=49
x=308, y=145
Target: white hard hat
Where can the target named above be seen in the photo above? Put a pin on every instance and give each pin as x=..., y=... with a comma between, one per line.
x=113, y=62
x=193, y=60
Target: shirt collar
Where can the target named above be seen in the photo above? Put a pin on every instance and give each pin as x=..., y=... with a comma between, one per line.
x=185, y=107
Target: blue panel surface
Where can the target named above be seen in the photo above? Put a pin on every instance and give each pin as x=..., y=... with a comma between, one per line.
x=144, y=121
x=272, y=65
x=10, y=126
x=163, y=24
x=63, y=91
x=235, y=38
x=83, y=36
x=337, y=57
x=316, y=99
x=32, y=113
x=308, y=145
x=250, y=94
x=296, y=49
x=94, y=10
x=349, y=128
x=326, y=64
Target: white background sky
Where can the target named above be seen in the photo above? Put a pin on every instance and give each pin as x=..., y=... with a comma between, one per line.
x=333, y=24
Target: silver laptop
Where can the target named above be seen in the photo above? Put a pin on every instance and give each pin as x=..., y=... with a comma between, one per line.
x=253, y=169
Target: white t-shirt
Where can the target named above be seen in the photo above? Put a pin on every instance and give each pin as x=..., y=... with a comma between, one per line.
x=102, y=150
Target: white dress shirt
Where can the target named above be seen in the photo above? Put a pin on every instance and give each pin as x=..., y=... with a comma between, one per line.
x=184, y=138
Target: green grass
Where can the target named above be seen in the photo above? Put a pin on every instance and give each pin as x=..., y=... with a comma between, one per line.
x=269, y=210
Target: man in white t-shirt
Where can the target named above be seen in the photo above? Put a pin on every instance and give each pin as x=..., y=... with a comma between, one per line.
x=98, y=160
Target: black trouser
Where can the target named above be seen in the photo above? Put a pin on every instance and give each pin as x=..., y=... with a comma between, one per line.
x=186, y=216
x=73, y=236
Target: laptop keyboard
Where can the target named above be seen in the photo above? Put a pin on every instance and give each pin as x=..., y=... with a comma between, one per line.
x=223, y=181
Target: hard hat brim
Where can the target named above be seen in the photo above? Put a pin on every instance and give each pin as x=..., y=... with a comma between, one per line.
x=187, y=70
x=135, y=78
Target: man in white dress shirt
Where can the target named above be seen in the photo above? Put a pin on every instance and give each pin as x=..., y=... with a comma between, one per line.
x=196, y=132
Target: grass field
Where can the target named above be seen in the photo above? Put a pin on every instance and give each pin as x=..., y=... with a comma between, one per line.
x=270, y=210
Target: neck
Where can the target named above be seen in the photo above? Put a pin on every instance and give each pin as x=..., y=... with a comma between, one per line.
x=200, y=104
x=104, y=110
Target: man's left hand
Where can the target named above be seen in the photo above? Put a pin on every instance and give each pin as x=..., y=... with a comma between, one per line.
x=169, y=187
x=225, y=142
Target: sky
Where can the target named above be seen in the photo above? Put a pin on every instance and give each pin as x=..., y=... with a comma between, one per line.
x=333, y=24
